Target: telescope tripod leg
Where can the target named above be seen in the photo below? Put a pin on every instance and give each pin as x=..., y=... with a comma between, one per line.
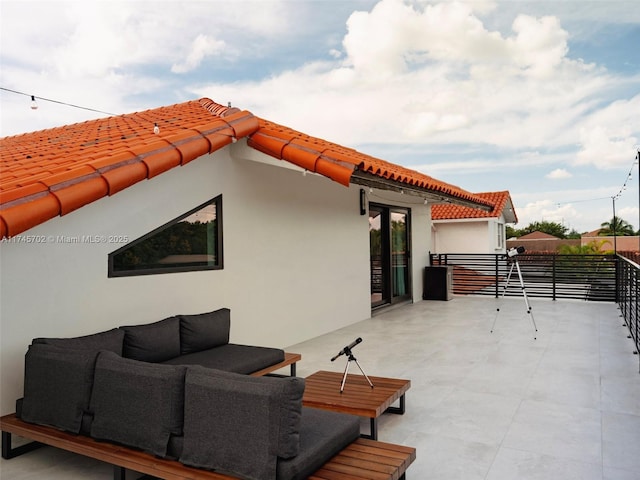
x=344, y=377
x=346, y=370
x=504, y=290
x=524, y=294
x=526, y=301
x=365, y=375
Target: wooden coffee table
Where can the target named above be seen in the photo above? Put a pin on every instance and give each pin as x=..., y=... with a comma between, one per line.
x=322, y=390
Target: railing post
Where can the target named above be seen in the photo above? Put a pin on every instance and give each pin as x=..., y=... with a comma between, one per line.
x=497, y=275
x=553, y=276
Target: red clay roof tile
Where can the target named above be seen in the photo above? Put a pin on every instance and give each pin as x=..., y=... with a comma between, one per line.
x=499, y=200
x=537, y=235
x=24, y=216
x=53, y=172
x=80, y=194
x=300, y=149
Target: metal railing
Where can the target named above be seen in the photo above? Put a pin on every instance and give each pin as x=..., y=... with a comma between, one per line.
x=547, y=275
x=609, y=278
x=628, y=282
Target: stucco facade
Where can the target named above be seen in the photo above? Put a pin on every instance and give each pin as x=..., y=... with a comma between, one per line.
x=296, y=259
x=468, y=236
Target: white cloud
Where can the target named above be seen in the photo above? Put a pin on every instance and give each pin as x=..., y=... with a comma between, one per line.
x=558, y=174
x=435, y=74
x=202, y=46
x=609, y=137
x=540, y=44
x=546, y=210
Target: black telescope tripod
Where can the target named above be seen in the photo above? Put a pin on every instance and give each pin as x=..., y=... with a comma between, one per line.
x=511, y=255
x=350, y=358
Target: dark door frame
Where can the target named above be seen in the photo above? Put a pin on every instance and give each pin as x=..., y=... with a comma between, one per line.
x=382, y=262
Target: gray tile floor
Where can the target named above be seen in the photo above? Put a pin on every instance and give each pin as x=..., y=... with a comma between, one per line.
x=482, y=405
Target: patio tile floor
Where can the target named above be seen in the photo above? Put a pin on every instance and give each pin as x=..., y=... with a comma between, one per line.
x=482, y=405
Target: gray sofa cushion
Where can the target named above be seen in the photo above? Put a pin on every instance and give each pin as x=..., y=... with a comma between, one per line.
x=232, y=358
x=322, y=435
x=248, y=421
x=137, y=403
x=153, y=342
x=111, y=340
x=204, y=331
x=57, y=386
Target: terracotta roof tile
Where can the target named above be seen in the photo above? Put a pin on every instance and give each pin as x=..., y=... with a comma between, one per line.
x=339, y=163
x=537, y=235
x=53, y=172
x=499, y=201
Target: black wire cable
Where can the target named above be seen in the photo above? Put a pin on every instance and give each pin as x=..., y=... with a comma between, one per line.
x=59, y=102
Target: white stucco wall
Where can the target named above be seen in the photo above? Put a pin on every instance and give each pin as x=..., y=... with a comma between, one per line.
x=461, y=237
x=295, y=258
x=296, y=261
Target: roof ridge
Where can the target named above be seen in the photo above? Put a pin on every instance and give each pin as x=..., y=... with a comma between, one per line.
x=52, y=172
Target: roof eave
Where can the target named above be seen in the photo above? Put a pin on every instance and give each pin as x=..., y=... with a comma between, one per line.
x=365, y=179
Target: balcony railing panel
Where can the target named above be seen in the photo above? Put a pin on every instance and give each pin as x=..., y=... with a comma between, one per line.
x=628, y=280
x=605, y=278
x=583, y=277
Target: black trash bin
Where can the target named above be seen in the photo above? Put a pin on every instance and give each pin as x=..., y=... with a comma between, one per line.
x=438, y=283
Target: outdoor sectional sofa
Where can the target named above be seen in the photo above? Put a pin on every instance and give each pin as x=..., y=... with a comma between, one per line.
x=178, y=390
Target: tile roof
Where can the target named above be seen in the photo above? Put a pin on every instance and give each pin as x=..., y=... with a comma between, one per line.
x=56, y=171
x=343, y=164
x=501, y=202
x=537, y=235
x=53, y=172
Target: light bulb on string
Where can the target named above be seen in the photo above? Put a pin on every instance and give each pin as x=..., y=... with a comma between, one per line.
x=34, y=105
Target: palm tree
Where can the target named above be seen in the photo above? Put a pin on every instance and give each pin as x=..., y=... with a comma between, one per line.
x=616, y=226
x=591, y=248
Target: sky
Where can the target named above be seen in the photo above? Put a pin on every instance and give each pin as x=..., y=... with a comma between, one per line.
x=540, y=98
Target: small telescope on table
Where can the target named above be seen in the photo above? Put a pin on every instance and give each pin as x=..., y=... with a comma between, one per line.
x=350, y=358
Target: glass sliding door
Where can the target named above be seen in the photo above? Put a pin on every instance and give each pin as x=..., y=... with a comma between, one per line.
x=379, y=287
x=399, y=254
x=389, y=234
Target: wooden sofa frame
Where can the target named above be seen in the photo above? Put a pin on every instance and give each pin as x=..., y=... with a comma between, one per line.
x=361, y=460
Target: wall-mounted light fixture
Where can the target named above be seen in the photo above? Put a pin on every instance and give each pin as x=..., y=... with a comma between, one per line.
x=363, y=202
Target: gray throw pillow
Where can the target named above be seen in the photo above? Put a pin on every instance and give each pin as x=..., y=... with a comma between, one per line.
x=204, y=331
x=153, y=342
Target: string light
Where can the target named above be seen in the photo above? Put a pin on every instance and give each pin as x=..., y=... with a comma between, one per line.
x=624, y=185
x=617, y=195
x=34, y=105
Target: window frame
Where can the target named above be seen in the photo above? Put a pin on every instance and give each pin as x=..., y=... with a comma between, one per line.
x=500, y=235
x=112, y=273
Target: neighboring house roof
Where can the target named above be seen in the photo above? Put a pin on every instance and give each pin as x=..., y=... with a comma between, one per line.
x=56, y=171
x=537, y=235
x=501, y=201
x=594, y=233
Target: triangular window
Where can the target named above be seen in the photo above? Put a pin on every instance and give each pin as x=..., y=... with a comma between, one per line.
x=190, y=242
